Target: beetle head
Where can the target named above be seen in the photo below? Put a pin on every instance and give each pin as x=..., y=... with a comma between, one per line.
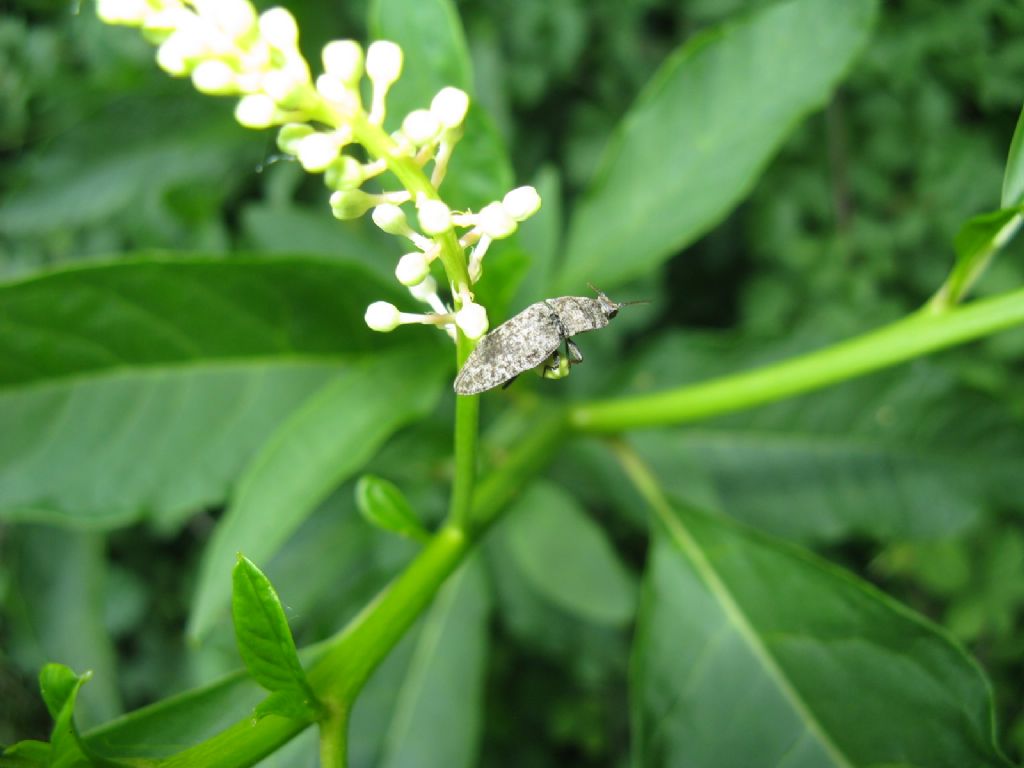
x=609, y=307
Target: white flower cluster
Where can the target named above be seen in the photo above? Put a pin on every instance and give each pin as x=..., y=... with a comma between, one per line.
x=227, y=49
x=494, y=221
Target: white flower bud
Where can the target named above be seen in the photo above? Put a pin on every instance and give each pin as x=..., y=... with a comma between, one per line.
x=351, y=203
x=344, y=173
x=495, y=222
x=472, y=319
x=257, y=110
x=284, y=88
x=391, y=219
x=317, y=151
x=383, y=62
x=521, y=203
x=425, y=290
x=449, y=106
x=435, y=217
x=343, y=59
x=382, y=316
x=332, y=89
x=421, y=126
x=412, y=268
x=128, y=12
x=175, y=54
x=234, y=17
x=214, y=77
x=278, y=27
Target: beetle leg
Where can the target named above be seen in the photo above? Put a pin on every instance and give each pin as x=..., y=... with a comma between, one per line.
x=573, y=352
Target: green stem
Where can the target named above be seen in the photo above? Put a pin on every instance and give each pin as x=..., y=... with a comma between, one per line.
x=363, y=644
x=380, y=145
x=333, y=739
x=242, y=744
x=467, y=422
x=903, y=340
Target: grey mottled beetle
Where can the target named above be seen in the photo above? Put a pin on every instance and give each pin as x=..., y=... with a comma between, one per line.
x=532, y=338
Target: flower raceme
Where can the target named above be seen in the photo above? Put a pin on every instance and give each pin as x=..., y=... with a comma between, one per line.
x=227, y=49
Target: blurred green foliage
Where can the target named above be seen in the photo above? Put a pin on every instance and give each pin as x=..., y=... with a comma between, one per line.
x=852, y=224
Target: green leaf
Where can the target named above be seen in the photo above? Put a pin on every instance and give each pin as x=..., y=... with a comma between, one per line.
x=905, y=454
x=1013, y=178
x=59, y=687
x=437, y=716
x=315, y=450
x=751, y=652
x=209, y=354
x=703, y=131
x=123, y=160
x=540, y=236
x=980, y=238
x=293, y=704
x=567, y=558
x=292, y=230
x=266, y=645
x=383, y=504
x=434, y=47
x=177, y=722
x=26, y=754
x=56, y=611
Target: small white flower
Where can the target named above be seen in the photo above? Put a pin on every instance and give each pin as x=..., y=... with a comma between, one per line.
x=421, y=126
x=317, y=151
x=391, y=219
x=382, y=316
x=257, y=110
x=343, y=59
x=495, y=222
x=129, y=12
x=412, y=268
x=472, y=319
x=435, y=217
x=214, y=77
x=383, y=63
x=449, y=106
x=521, y=203
x=278, y=27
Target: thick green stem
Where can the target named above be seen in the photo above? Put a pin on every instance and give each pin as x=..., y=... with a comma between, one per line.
x=903, y=340
x=245, y=743
x=363, y=644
